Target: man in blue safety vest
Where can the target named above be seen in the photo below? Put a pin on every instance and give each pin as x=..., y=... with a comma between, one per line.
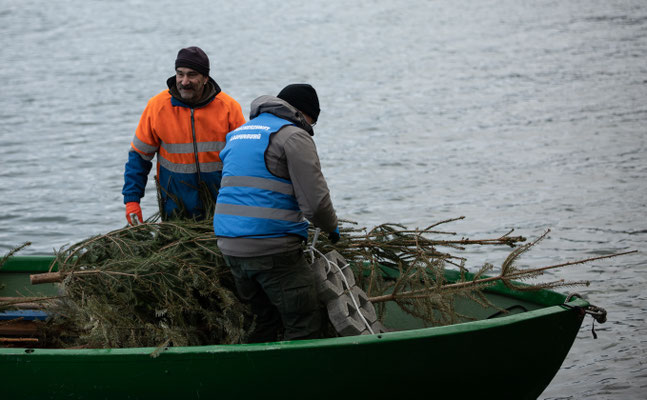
x=271, y=187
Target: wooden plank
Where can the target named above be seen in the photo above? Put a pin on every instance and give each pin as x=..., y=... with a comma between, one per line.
x=18, y=340
x=18, y=327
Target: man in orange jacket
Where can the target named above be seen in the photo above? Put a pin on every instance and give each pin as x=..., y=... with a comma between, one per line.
x=186, y=127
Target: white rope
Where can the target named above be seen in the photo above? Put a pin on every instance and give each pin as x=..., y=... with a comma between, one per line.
x=329, y=264
x=311, y=249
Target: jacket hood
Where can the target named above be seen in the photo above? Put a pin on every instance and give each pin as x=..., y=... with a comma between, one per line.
x=211, y=90
x=281, y=109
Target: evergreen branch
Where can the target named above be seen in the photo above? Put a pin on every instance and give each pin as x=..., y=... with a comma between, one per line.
x=501, y=277
x=11, y=252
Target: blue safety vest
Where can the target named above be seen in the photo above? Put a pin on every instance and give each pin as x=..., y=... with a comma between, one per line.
x=252, y=202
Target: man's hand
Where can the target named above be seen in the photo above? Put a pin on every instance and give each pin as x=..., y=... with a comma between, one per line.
x=334, y=236
x=134, y=213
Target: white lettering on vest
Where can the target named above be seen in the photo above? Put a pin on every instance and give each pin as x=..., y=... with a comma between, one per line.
x=248, y=127
x=246, y=136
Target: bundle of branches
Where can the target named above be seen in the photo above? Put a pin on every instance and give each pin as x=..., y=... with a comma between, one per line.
x=166, y=282
x=417, y=281
x=393, y=263
x=147, y=285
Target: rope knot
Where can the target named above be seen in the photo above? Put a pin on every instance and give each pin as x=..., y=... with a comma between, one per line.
x=599, y=314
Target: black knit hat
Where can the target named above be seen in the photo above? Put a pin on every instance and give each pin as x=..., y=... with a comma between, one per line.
x=303, y=97
x=194, y=58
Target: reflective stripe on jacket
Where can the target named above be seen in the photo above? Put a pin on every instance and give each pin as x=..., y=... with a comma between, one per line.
x=252, y=202
x=187, y=142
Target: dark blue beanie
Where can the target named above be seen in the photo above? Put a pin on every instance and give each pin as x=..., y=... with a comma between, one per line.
x=194, y=58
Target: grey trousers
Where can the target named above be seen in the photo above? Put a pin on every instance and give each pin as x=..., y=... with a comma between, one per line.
x=282, y=293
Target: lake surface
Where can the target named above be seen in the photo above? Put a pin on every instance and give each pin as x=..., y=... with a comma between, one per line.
x=524, y=115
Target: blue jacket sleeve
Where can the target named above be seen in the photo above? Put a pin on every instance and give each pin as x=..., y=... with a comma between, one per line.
x=135, y=177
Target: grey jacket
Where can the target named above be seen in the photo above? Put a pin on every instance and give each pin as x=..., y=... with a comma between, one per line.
x=291, y=155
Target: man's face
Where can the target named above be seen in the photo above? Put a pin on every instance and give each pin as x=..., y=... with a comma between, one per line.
x=190, y=83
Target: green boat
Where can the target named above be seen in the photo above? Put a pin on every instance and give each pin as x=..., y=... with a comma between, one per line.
x=493, y=355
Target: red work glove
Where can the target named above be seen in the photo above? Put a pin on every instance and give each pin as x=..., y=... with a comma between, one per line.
x=134, y=213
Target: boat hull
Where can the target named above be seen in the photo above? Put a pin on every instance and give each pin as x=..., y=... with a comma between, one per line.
x=514, y=356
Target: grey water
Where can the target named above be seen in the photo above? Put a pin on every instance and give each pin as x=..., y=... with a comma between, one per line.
x=524, y=115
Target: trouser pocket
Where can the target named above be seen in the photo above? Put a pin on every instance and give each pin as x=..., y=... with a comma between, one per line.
x=299, y=305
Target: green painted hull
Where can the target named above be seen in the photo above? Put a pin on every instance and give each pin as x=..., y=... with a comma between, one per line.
x=514, y=356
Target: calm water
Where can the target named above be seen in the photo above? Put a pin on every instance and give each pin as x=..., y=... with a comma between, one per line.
x=525, y=115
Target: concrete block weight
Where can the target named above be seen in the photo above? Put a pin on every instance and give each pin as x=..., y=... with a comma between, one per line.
x=341, y=262
x=329, y=282
x=344, y=313
x=365, y=306
x=378, y=327
x=344, y=316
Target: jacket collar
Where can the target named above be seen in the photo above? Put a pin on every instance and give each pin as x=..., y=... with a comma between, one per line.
x=281, y=109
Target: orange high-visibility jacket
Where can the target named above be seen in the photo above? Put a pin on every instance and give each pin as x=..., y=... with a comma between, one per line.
x=187, y=142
